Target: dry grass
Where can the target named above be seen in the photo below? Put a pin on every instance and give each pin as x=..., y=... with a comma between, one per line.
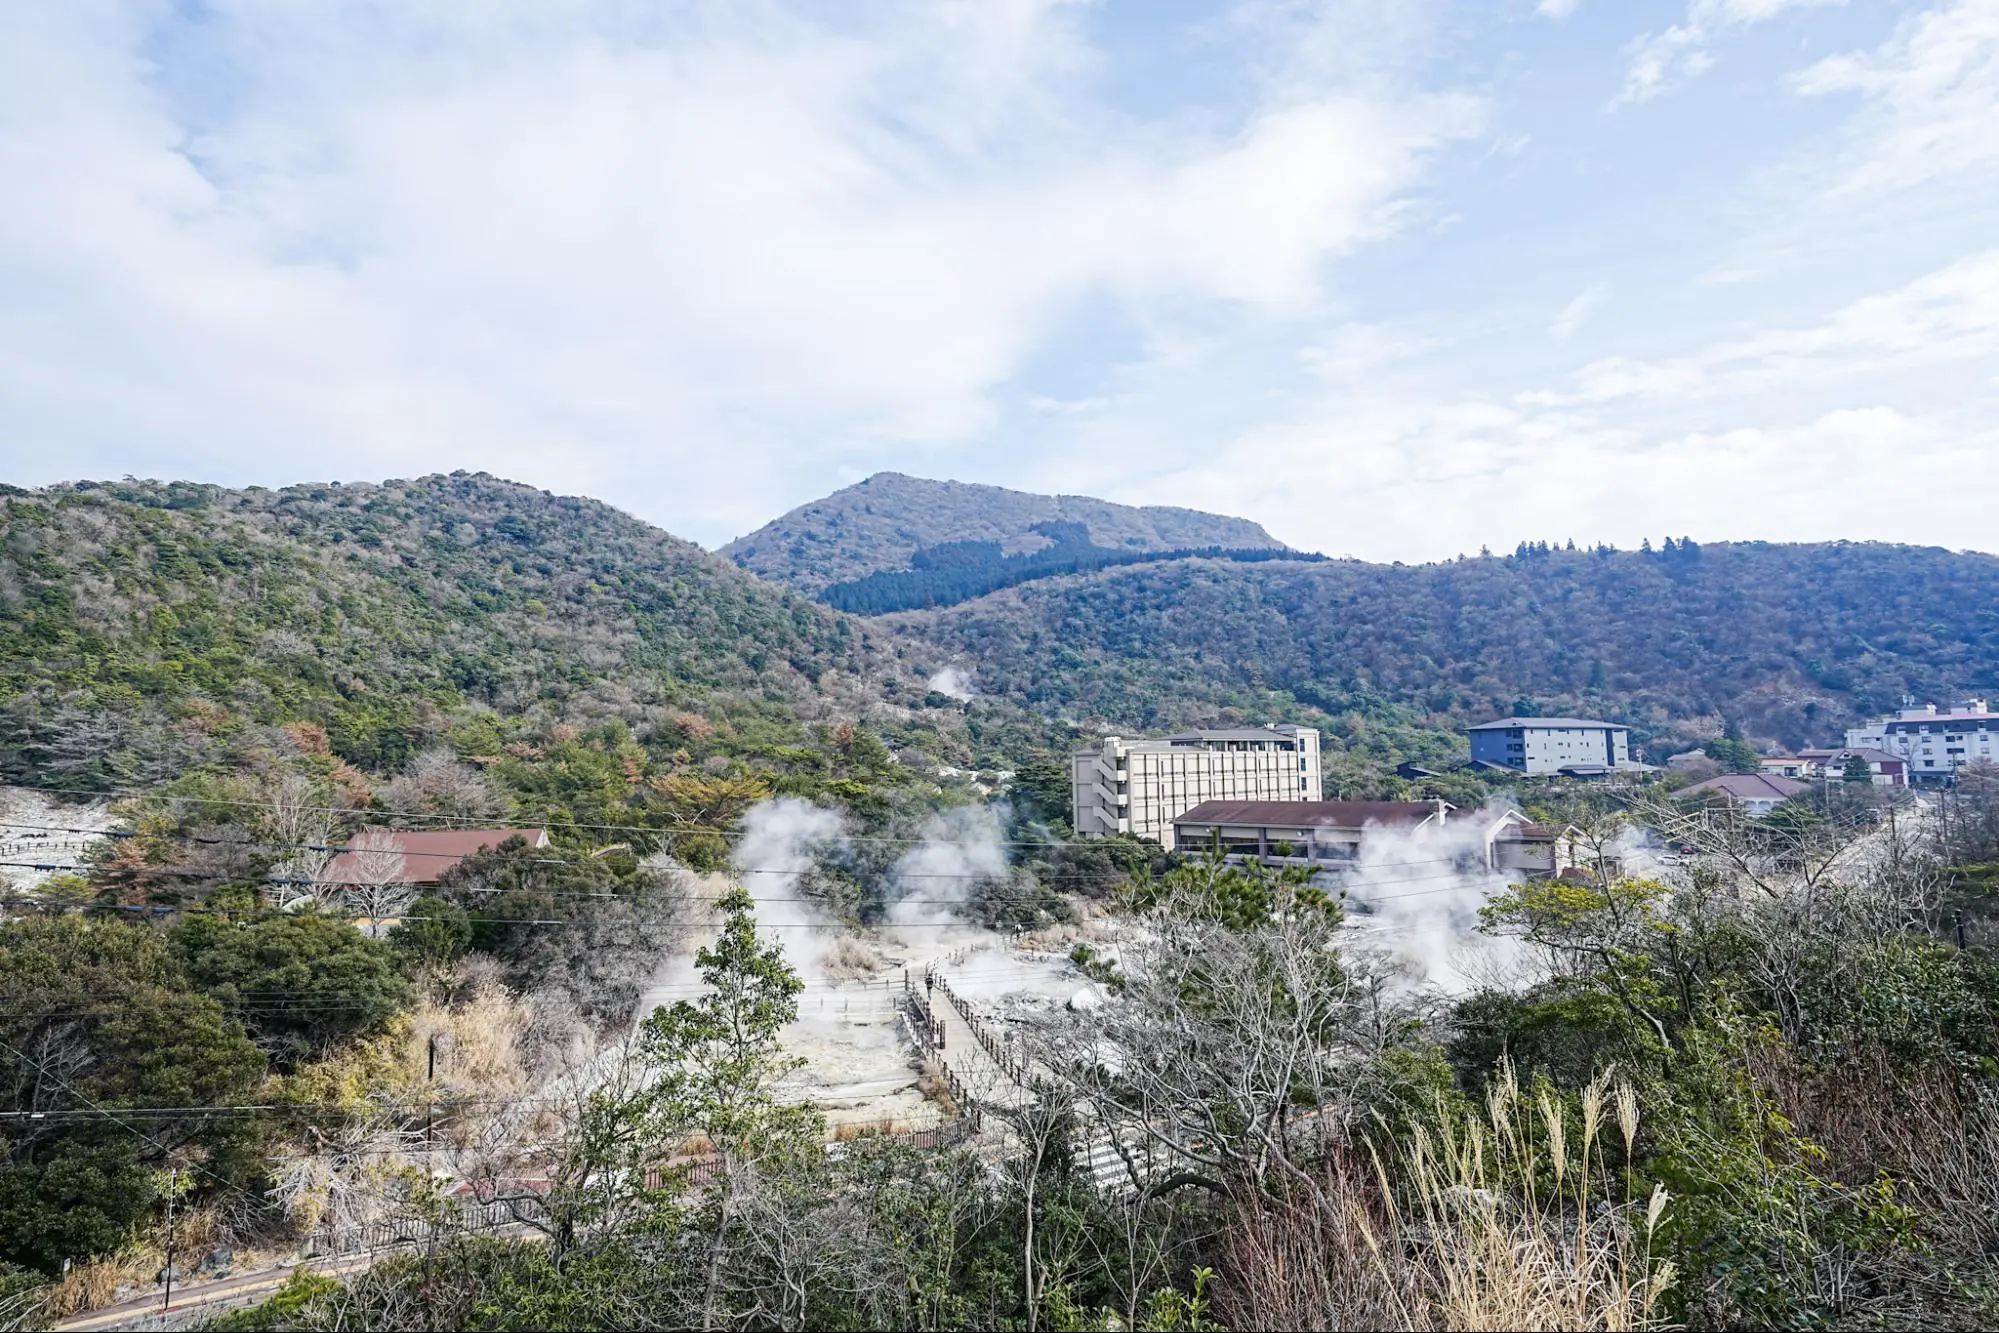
x=849, y=959
x=1488, y=1220
x=1499, y=1245
x=102, y=1282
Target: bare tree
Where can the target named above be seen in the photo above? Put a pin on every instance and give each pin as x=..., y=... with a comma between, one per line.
x=301, y=823
x=375, y=877
x=438, y=783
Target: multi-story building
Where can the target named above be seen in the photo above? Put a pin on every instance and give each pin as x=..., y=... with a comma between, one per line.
x=1548, y=745
x=1139, y=786
x=1934, y=743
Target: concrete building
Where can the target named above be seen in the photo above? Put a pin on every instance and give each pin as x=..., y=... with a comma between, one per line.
x=1933, y=742
x=1579, y=747
x=1333, y=836
x=1139, y=786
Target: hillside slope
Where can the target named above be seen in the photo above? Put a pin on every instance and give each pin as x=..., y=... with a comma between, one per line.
x=879, y=524
x=1791, y=642
x=139, y=621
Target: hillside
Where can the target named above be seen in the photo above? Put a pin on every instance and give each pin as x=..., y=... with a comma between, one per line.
x=143, y=622
x=880, y=524
x=1789, y=641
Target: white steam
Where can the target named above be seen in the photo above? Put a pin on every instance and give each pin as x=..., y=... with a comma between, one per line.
x=960, y=850
x=1417, y=893
x=781, y=842
x=954, y=683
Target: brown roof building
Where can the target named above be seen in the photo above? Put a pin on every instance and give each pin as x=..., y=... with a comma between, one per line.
x=371, y=855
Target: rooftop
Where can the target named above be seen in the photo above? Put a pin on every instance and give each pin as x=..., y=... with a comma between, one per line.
x=1508, y=723
x=1870, y=755
x=1310, y=814
x=1750, y=787
x=428, y=853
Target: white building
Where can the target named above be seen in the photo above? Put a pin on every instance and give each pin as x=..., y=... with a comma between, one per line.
x=1139, y=787
x=1933, y=742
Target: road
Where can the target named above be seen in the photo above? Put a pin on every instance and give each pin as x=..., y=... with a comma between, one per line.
x=236, y=1289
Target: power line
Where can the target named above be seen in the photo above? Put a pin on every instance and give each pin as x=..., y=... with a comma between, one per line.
x=143, y=1137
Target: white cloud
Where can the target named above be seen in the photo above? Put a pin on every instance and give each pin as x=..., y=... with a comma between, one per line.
x=1949, y=315
x=1681, y=53
x=1576, y=313
x=1930, y=101
x=1841, y=427
x=605, y=251
x=1557, y=9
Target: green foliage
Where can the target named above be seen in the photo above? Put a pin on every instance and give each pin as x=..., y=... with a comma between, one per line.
x=368, y=610
x=1754, y=1212
x=435, y=930
x=74, y=1199
x=1787, y=639
x=1238, y=896
x=717, y=1060
x=354, y=983
x=1041, y=791
x=959, y=571
x=101, y=1016
x=284, y=1308
x=1733, y=755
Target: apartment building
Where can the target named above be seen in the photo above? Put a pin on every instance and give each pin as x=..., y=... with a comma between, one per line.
x=1577, y=746
x=1138, y=787
x=1935, y=743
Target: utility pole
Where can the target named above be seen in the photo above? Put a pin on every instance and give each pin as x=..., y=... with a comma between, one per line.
x=173, y=1183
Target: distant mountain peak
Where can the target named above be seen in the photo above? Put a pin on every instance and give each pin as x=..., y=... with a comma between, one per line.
x=879, y=524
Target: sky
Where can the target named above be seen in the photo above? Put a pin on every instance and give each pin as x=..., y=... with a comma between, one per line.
x=1398, y=279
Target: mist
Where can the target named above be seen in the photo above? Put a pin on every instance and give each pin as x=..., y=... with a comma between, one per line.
x=961, y=849
x=954, y=683
x=1416, y=894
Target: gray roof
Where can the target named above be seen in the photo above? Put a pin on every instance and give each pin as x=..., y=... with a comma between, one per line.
x=1750, y=786
x=1508, y=723
x=1236, y=734
x=1309, y=814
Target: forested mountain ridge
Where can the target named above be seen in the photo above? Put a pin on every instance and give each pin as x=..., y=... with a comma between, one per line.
x=1791, y=642
x=877, y=525
x=139, y=620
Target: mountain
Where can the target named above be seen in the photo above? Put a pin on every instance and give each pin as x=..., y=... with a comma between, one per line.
x=141, y=622
x=880, y=525
x=1790, y=642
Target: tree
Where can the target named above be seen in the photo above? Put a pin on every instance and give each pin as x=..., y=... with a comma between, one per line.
x=99, y=1016
x=717, y=1063
x=1857, y=770
x=1733, y=754
x=377, y=883
x=699, y=808
x=1042, y=786
x=344, y=982
x=301, y=822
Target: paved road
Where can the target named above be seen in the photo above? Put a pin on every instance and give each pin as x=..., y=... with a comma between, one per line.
x=236, y=1289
